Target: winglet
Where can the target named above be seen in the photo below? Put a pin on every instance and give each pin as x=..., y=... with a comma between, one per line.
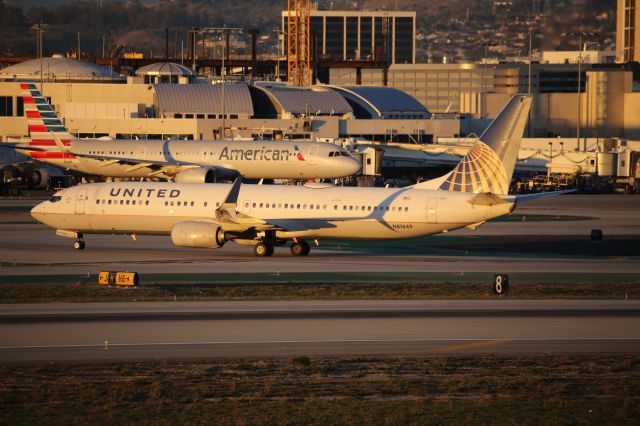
x=62, y=147
x=227, y=211
x=232, y=197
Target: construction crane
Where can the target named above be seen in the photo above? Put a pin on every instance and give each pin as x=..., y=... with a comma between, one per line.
x=298, y=42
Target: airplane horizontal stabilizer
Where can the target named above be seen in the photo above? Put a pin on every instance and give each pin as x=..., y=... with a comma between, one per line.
x=527, y=197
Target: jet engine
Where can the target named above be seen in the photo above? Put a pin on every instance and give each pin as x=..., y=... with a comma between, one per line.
x=39, y=178
x=197, y=234
x=196, y=175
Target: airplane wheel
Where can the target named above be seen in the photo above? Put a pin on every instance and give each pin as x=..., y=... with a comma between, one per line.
x=263, y=250
x=501, y=284
x=300, y=248
x=78, y=245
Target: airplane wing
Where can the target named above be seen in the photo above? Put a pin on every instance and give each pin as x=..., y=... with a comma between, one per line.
x=228, y=218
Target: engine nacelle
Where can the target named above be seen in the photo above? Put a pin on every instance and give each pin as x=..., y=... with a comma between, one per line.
x=196, y=175
x=39, y=178
x=197, y=234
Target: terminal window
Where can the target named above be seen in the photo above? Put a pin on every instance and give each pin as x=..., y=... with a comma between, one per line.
x=6, y=106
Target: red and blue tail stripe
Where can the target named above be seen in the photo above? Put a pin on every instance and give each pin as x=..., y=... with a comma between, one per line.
x=43, y=123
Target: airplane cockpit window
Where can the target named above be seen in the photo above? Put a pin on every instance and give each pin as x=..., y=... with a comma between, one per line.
x=55, y=199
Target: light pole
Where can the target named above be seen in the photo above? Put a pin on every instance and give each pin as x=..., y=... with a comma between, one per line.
x=39, y=29
x=225, y=32
x=484, y=75
x=580, y=36
x=531, y=31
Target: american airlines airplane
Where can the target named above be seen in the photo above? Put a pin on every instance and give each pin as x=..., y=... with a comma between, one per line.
x=180, y=161
x=267, y=216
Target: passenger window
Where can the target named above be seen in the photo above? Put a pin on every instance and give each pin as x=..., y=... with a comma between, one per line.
x=206, y=203
x=166, y=203
x=97, y=201
x=171, y=203
x=344, y=207
x=133, y=202
x=350, y=207
x=311, y=206
x=286, y=205
x=193, y=203
x=254, y=205
x=393, y=209
x=261, y=204
x=298, y=206
x=218, y=204
x=146, y=202
x=246, y=205
x=128, y=202
x=273, y=206
x=387, y=208
x=109, y=202
x=121, y=202
x=406, y=209
x=279, y=205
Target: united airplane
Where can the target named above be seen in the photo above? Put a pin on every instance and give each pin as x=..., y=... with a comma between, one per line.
x=267, y=216
x=180, y=161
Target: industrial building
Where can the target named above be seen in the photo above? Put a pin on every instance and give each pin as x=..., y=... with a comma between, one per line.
x=355, y=35
x=627, y=34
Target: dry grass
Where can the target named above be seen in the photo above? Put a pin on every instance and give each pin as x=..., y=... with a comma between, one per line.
x=486, y=389
x=90, y=292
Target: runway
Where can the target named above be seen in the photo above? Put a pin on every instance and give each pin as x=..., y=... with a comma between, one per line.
x=88, y=332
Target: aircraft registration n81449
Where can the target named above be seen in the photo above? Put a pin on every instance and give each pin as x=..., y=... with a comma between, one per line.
x=267, y=216
x=177, y=160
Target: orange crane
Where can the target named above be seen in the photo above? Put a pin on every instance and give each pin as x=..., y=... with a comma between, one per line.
x=298, y=42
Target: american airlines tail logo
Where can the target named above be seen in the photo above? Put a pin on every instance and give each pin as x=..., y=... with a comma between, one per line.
x=479, y=171
x=298, y=153
x=42, y=122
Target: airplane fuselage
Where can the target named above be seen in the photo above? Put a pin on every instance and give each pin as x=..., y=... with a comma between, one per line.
x=306, y=213
x=251, y=159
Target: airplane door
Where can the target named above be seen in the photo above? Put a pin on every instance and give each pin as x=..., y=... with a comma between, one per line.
x=432, y=210
x=246, y=207
x=81, y=198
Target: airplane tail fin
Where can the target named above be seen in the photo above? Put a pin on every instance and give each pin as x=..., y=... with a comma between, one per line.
x=45, y=128
x=489, y=165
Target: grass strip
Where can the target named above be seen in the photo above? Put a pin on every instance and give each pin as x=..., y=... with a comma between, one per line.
x=481, y=389
x=83, y=291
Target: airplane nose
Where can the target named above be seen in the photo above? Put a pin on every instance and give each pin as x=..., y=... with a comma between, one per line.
x=352, y=165
x=37, y=212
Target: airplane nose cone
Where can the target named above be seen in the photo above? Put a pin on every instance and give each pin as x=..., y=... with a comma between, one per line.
x=352, y=166
x=37, y=212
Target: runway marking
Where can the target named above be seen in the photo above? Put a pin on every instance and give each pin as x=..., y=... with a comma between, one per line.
x=474, y=345
x=472, y=341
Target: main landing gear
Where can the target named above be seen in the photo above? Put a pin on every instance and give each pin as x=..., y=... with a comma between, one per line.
x=301, y=248
x=78, y=244
x=265, y=249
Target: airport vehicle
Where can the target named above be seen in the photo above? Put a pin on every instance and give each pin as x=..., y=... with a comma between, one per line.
x=266, y=216
x=181, y=161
